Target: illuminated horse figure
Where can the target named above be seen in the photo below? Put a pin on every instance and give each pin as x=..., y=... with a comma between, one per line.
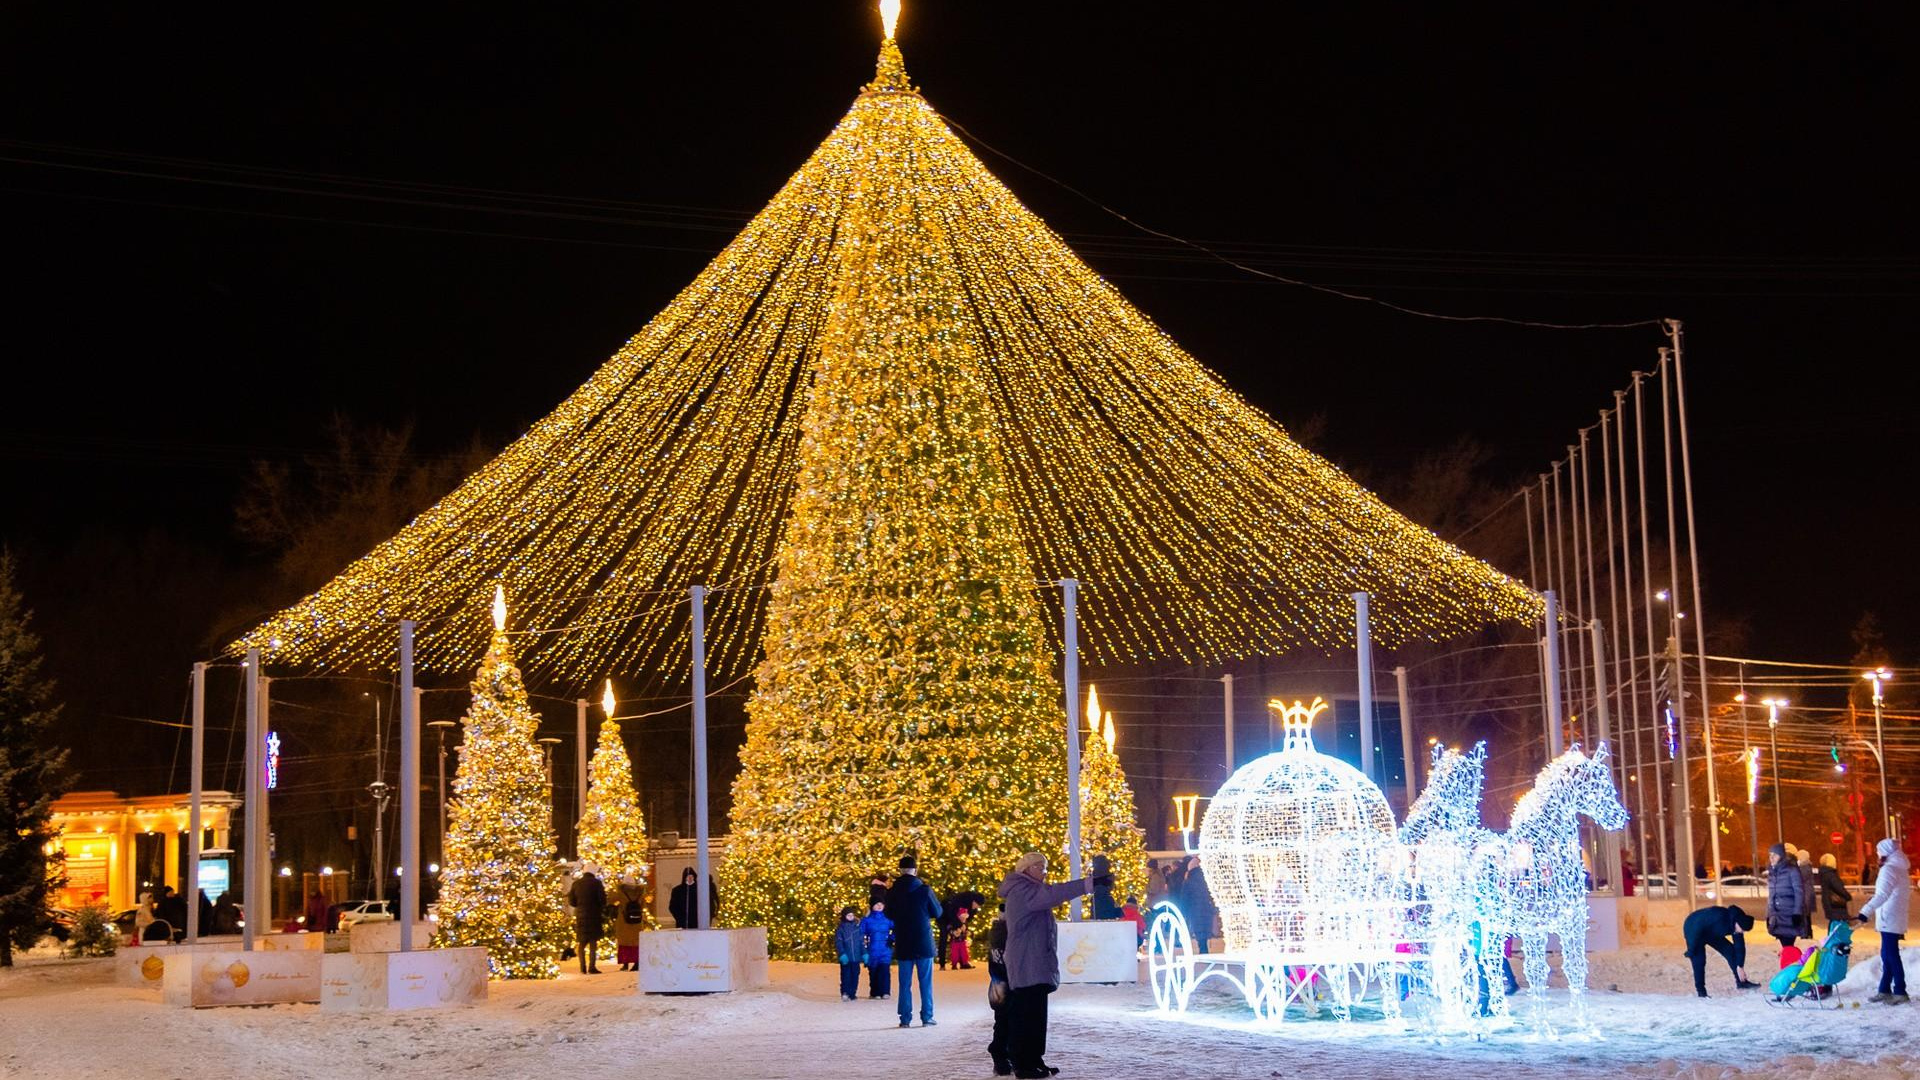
x=1531, y=882
x=1444, y=832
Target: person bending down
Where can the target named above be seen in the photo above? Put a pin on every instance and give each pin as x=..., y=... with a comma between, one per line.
x=1722, y=929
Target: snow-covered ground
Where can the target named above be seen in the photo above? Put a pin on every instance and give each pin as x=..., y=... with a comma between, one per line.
x=63, y=1018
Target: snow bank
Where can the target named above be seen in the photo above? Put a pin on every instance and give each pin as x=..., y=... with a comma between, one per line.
x=65, y=1018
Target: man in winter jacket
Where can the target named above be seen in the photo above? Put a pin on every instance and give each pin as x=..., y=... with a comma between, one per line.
x=588, y=898
x=1033, y=961
x=1722, y=929
x=1892, y=892
x=1834, y=897
x=912, y=907
x=1786, y=902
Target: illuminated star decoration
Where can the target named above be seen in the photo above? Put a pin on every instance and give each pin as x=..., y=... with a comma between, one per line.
x=1200, y=530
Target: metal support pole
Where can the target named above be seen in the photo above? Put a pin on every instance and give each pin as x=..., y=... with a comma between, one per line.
x=409, y=860
x=1226, y=696
x=196, y=778
x=1070, y=636
x=255, y=787
x=702, y=917
x=1555, y=726
x=260, y=864
x=1879, y=748
x=1753, y=802
x=1363, y=659
x=579, y=770
x=1533, y=570
x=1773, y=747
x=1408, y=760
x=1609, y=841
x=1646, y=609
x=1699, y=606
x=1677, y=662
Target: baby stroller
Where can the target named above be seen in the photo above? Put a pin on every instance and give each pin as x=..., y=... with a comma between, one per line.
x=1820, y=974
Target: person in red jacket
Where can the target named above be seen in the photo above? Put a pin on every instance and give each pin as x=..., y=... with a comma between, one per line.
x=1130, y=911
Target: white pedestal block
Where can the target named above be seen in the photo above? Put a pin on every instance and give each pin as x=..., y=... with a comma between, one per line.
x=1603, y=924
x=290, y=942
x=145, y=966
x=703, y=961
x=421, y=979
x=1099, y=952
x=202, y=977
x=377, y=937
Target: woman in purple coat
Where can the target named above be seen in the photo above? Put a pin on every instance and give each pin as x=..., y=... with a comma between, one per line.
x=1032, y=957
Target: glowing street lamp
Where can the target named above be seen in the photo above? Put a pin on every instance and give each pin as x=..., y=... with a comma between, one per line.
x=1879, y=677
x=1186, y=809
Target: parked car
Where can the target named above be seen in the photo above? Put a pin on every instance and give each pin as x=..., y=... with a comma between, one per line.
x=365, y=911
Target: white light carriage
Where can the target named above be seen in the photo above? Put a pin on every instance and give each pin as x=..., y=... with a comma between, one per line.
x=1325, y=903
x=1315, y=892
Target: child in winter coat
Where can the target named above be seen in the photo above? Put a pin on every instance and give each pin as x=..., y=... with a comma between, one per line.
x=1131, y=912
x=851, y=946
x=960, y=954
x=876, y=932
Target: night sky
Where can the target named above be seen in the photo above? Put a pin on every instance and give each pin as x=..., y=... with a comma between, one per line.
x=547, y=179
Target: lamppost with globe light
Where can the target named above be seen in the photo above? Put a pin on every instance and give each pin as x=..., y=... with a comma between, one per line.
x=1879, y=677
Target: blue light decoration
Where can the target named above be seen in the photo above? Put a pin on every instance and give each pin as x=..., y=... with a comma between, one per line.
x=273, y=760
x=1673, y=735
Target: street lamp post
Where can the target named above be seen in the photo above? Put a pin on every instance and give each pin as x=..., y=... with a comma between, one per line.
x=1774, y=705
x=546, y=745
x=1879, y=678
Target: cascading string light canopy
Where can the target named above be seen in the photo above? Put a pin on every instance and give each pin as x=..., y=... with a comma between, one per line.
x=1201, y=531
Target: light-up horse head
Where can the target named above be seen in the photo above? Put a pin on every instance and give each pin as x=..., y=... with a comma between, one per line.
x=1450, y=804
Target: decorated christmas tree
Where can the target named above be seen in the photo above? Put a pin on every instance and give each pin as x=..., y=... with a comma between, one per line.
x=1109, y=824
x=906, y=701
x=613, y=834
x=500, y=887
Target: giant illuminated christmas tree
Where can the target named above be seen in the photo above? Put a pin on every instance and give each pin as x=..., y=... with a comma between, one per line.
x=499, y=884
x=884, y=421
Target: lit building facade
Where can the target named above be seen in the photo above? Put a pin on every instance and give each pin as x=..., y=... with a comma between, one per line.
x=118, y=847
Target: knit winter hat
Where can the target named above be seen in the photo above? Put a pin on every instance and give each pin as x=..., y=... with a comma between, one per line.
x=1829, y=860
x=908, y=862
x=848, y=910
x=1886, y=848
x=1028, y=861
x=1805, y=857
x=1780, y=850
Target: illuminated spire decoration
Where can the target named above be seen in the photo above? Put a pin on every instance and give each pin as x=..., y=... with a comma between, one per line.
x=613, y=831
x=1199, y=530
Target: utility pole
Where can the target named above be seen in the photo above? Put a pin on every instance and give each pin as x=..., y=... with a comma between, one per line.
x=381, y=791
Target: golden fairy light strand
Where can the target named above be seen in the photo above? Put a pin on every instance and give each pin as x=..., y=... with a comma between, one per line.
x=1202, y=530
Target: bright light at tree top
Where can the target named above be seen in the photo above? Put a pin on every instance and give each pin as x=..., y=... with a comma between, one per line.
x=499, y=607
x=889, y=16
x=606, y=699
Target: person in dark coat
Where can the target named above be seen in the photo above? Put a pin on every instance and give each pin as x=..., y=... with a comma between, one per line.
x=1001, y=1048
x=206, y=914
x=171, y=909
x=850, y=948
x=316, y=912
x=1033, y=961
x=1722, y=929
x=588, y=898
x=1835, y=901
x=913, y=909
x=951, y=919
x=226, y=915
x=681, y=903
x=1195, y=901
x=1103, y=905
x=877, y=888
x=1786, y=903
x=877, y=931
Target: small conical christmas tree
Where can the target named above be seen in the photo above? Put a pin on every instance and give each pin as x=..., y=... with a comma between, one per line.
x=613, y=834
x=500, y=885
x=1109, y=824
x=32, y=772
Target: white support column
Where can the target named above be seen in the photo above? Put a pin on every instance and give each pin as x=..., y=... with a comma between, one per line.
x=1226, y=696
x=1363, y=656
x=1409, y=761
x=260, y=860
x=702, y=918
x=256, y=789
x=1609, y=841
x=1555, y=726
x=409, y=860
x=1070, y=637
x=197, y=778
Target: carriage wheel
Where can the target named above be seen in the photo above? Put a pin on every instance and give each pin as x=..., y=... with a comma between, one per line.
x=1170, y=959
